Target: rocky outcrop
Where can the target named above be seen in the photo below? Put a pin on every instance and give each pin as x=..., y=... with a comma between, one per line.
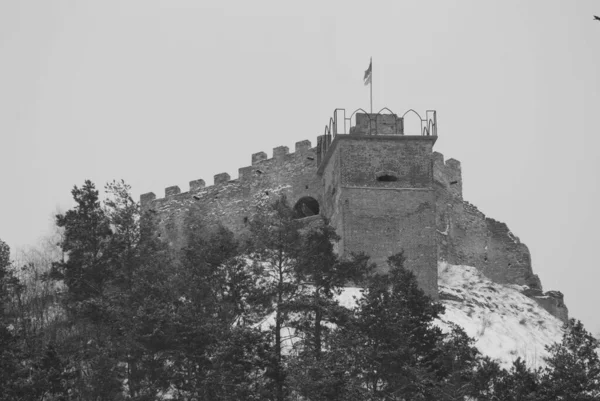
x=552, y=301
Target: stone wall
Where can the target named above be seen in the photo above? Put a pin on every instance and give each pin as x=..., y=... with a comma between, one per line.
x=384, y=217
x=378, y=124
x=231, y=202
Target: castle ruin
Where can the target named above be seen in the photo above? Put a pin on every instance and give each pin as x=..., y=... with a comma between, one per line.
x=384, y=190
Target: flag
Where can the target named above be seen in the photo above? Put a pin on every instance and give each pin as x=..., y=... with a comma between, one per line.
x=368, y=73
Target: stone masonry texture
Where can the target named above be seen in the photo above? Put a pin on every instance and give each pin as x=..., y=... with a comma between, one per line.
x=379, y=217
x=383, y=192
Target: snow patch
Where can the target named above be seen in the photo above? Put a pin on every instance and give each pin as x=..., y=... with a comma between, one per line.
x=505, y=323
x=349, y=296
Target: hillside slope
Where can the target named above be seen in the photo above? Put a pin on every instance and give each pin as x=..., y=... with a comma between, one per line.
x=505, y=323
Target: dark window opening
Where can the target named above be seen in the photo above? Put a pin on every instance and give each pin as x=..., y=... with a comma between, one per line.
x=266, y=192
x=245, y=219
x=306, y=207
x=387, y=178
x=453, y=182
x=306, y=186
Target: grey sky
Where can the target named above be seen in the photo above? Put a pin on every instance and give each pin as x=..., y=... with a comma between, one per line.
x=160, y=93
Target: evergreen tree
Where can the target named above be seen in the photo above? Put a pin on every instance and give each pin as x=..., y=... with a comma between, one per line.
x=102, y=259
x=219, y=353
x=51, y=376
x=519, y=384
x=275, y=245
x=315, y=313
x=11, y=374
x=573, y=371
x=456, y=363
x=138, y=295
x=390, y=344
x=486, y=379
x=86, y=231
x=325, y=275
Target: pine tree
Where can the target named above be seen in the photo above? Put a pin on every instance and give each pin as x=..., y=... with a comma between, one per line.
x=51, y=376
x=455, y=365
x=519, y=384
x=86, y=232
x=391, y=343
x=11, y=374
x=313, y=373
x=486, y=380
x=275, y=244
x=217, y=354
x=320, y=267
x=137, y=295
x=573, y=371
x=103, y=273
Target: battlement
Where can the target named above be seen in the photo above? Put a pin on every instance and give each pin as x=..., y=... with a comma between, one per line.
x=447, y=174
x=259, y=170
x=383, y=123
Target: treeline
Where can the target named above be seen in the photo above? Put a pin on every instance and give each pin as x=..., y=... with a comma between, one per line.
x=121, y=315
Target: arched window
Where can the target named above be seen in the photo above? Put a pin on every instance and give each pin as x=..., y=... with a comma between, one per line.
x=306, y=207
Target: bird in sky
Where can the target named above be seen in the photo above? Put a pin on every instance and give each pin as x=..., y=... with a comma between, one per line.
x=596, y=18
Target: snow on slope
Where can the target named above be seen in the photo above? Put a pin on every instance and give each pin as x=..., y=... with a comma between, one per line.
x=505, y=323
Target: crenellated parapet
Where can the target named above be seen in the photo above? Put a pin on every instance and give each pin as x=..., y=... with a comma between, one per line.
x=448, y=174
x=257, y=173
x=230, y=201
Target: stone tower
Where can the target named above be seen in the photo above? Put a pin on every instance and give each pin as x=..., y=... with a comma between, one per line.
x=379, y=192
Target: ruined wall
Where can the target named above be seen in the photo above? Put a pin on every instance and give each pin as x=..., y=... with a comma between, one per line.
x=465, y=236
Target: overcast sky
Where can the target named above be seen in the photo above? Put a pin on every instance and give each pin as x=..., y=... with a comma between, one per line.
x=160, y=93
